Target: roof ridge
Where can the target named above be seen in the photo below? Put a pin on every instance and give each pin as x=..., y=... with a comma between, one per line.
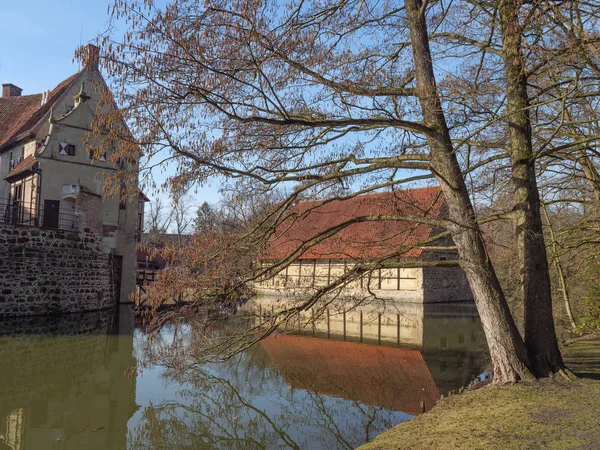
x=369, y=194
x=23, y=115
x=21, y=96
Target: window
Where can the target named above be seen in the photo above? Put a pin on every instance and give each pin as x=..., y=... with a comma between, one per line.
x=66, y=149
x=140, y=216
x=101, y=158
x=14, y=160
x=18, y=193
x=123, y=196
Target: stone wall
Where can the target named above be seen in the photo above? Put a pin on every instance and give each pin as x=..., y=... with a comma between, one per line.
x=51, y=271
x=445, y=284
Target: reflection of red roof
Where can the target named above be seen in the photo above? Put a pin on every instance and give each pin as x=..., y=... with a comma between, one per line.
x=359, y=240
x=23, y=167
x=20, y=114
x=393, y=378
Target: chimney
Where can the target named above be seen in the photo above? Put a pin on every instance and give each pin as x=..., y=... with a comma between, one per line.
x=90, y=57
x=10, y=90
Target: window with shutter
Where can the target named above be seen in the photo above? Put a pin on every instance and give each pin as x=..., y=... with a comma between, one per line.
x=66, y=149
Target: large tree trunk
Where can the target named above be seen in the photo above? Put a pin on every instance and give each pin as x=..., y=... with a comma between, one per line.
x=539, y=332
x=507, y=350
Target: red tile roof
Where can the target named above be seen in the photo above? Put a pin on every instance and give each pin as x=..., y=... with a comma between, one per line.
x=22, y=167
x=394, y=378
x=20, y=114
x=362, y=240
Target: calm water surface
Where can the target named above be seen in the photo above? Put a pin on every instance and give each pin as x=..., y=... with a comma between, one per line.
x=84, y=382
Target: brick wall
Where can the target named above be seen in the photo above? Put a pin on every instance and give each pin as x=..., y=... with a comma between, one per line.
x=50, y=272
x=89, y=206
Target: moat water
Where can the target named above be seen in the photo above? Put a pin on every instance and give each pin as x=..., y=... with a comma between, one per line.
x=87, y=382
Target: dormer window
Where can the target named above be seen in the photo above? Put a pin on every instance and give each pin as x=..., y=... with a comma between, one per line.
x=66, y=149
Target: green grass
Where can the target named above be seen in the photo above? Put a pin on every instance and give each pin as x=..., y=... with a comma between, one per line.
x=546, y=414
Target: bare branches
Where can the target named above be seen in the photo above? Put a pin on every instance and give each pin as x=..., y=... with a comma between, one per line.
x=327, y=101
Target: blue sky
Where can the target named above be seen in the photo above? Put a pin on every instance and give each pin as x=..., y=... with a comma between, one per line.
x=37, y=43
x=38, y=39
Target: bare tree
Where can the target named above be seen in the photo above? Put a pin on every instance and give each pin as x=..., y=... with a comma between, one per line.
x=336, y=99
x=158, y=220
x=181, y=207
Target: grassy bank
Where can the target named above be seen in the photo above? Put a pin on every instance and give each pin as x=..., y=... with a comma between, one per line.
x=548, y=414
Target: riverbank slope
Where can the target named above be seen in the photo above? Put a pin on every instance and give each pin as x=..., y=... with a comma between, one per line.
x=547, y=414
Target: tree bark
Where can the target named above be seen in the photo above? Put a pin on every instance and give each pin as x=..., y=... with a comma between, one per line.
x=507, y=350
x=539, y=331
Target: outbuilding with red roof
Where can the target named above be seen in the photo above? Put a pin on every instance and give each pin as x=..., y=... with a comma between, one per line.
x=320, y=241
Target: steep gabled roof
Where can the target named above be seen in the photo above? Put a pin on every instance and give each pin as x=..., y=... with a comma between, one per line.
x=21, y=114
x=390, y=377
x=363, y=240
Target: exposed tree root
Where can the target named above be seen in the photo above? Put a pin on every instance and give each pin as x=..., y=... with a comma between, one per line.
x=564, y=374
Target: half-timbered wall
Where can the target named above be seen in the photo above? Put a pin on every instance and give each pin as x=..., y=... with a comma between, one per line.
x=427, y=284
x=308, y=273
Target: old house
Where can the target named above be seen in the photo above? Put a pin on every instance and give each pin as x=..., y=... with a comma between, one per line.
x=324, y=261
x=49, y=180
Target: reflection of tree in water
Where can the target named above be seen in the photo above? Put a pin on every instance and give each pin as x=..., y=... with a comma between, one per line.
x=212, y=414
x=294, y=391
x=245, y=404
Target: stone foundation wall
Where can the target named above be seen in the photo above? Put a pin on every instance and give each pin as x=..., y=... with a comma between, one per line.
x=52, y=271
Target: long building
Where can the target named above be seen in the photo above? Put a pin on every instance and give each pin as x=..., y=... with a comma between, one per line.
x=327, y=253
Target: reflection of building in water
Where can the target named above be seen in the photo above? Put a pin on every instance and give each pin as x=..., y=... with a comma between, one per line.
x=425, y=350
x=427, y=326
x=393, y=378
x=12, y=430
x=453, y=340
x=67, y=388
